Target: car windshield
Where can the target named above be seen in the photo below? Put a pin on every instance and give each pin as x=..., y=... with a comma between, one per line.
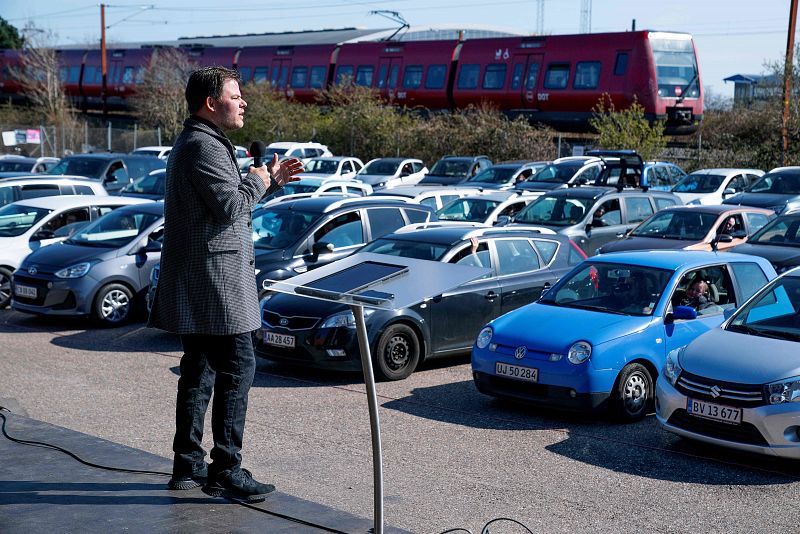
x=449, y=167
x=407, y=249
x=152, y=184
x=381, y=167
x=677, y=224
x=468, y=209
x=554, y=210
x=138, y=167
x=493, y=175
x=277, y=229
x=557, y=173
x=16, y=219
x=773, y=313
x=783, y=231
x=699, y=183
x=610, y=288
x=77, y=166
x=321, y=166
x=114, y=229
x=15, y=166
x=290, y=189
x=268, y=152
x=779, y=183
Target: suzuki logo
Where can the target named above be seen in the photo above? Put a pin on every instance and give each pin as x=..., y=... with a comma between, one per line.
x=521, y=351
x=715, y=391
x=33, y=270
x=284, y=321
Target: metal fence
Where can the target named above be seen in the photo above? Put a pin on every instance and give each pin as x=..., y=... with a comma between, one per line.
x=58, y=141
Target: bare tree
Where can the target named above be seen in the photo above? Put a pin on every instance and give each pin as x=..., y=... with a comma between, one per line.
x=159, y=99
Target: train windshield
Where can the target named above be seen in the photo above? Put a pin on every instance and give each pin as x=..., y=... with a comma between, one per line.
x=676, y=66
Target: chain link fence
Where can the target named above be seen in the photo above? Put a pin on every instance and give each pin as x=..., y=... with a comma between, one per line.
x=58, y=141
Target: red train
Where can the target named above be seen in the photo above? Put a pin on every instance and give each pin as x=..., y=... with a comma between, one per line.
x=555, y=79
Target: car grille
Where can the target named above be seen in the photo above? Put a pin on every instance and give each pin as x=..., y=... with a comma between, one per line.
x=730, y=393
x=741, y=433
x=38, y=283
x=291, y=323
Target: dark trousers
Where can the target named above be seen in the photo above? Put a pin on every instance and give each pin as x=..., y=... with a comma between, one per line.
x=225, y=365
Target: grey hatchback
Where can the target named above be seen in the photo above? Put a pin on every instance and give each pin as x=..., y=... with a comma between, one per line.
x=101, y=271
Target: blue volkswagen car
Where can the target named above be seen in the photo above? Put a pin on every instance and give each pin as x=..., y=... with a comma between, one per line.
x=598, y=338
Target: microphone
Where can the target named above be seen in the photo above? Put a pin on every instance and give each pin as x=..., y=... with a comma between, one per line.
x=257, y=150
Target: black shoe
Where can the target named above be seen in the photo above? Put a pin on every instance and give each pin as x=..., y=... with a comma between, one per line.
x=238, y=485
x=197, y=478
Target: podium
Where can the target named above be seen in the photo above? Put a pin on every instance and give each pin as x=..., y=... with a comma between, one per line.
x=383, y=282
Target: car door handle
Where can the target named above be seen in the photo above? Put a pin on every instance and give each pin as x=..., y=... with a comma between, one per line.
x=491, y=295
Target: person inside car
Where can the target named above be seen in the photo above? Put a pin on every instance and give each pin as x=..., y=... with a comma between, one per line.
x=728, y=227
x=698, y=296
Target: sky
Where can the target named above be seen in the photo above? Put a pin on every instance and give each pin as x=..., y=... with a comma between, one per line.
x=731, y=36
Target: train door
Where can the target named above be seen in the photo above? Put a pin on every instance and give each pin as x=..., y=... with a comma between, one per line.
x=280, y=73
x=525, y=73
x=389, y=77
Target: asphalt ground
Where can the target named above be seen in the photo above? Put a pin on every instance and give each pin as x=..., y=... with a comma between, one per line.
x=452, y=457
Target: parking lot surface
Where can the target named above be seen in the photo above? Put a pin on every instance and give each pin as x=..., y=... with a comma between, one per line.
x=452, y=457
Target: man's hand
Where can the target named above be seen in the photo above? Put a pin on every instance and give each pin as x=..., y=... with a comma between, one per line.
x=285, y=171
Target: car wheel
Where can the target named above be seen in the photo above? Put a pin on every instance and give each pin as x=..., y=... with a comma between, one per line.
x=113, y=305
x=5, y=287
x=397, y=353
x=633, y=393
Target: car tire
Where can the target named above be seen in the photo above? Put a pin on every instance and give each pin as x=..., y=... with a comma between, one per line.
x=633, y=393
x=5, y=287
x=397, y=353
x=113, y=305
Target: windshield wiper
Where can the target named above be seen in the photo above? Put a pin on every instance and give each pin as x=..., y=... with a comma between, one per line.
x=592, y=308
x=743, y=328
x=686, y=88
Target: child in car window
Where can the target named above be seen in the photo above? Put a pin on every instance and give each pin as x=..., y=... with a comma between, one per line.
x=697, y=296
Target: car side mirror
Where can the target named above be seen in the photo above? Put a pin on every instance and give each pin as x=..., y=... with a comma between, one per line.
x=43, y=234
x=503, y=220
x=153, y=246
x=582, y=181
x=724, y=238
x=321, y=247
x=739, y=234
x=682, y=313
x=588, y=229
x=729, y=191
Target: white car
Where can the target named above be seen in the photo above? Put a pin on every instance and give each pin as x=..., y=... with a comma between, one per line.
x=434, y=196
x=309, y=187
x=392, y=172
x=486, y=208
x=158, y=151
x=712, y=186
x=27, y=187
x=301, y=151
x=28, y=225
x=332, y=167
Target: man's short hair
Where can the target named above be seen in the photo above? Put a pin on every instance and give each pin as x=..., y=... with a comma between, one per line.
x=206, y=82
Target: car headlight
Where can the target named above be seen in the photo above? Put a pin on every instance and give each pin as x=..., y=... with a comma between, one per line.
x=579, y=352
x=784, y=391
x=672, y=367
x=484, y=337
x=75, y=271
x=344, y=319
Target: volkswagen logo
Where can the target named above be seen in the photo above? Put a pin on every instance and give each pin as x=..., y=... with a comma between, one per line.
x=33, y=270
x=284, y=321
x=715, y=391
x=521, y=351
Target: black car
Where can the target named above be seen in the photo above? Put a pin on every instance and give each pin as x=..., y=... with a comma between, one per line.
x=455, y=169
x=114, y=171
x=778, y=190
x=505, y=175
x=150, y=186
x=778, y=242
x=322, y=334
x=294, y=236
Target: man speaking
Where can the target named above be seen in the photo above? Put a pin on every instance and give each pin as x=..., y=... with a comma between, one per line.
x=207, y=288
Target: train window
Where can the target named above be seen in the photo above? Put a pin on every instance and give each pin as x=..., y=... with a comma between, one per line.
x=393, y=72
x=344, y=74
x=533, y=75
x=494, y=77
x=88, y=74
x=284, y=76
x=127, y=75
x=468, y=77
x=74, y=74
x=245, y=73
x=299, y=77
x=621, y=64
x=260, y=74
x=382, y=76
x=317, y=79
x=516, y=76
x=364, y=75
x=412, y=78
x=139, y=79
x=556, y=76
x=435, y=77
x=63, y=74
x=587, y=75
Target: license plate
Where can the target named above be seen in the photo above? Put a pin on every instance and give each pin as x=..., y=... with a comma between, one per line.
x=25, y=291
x=279, y=340
x=717, y=412
x=516, y=371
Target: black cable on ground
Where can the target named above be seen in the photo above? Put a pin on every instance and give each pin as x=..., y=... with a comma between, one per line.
x=145, y=472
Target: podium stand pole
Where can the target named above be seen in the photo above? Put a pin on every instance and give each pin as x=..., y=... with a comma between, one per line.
x=374, y=420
